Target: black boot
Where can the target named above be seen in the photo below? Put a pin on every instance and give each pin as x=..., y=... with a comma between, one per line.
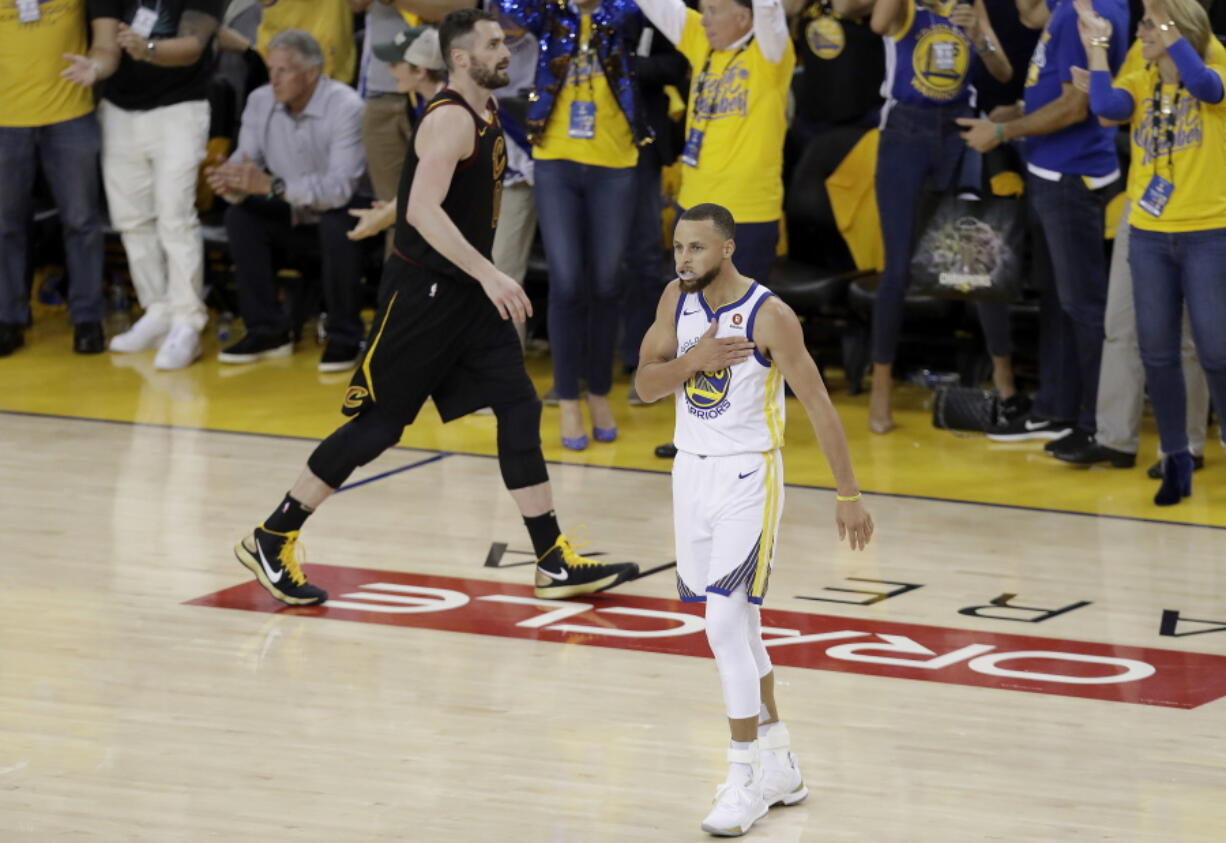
x=1176, y=479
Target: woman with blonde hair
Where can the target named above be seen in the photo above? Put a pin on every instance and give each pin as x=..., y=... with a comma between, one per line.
x=1177, y=184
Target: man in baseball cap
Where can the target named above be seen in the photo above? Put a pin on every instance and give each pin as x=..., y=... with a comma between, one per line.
x=416, y=46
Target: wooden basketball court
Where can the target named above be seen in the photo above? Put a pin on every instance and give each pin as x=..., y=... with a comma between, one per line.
x=1025, y=653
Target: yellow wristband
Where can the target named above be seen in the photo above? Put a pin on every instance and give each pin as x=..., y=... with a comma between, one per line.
x=850, y=499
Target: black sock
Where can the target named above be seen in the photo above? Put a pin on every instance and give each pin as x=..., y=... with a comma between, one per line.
x=544, y=532
x=289, y=516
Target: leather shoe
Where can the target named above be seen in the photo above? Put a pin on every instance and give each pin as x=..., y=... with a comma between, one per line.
x=1090, y=452
x=87, y=338
x=11, y=338
x=1155, y=470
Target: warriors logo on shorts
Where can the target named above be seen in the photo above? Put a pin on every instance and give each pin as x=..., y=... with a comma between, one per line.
x=706, y=393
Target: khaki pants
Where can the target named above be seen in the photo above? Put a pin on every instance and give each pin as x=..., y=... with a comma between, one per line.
x=513, y=238
x=386, y=134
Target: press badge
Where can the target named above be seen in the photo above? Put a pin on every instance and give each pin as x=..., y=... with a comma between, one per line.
x=144, y=22
x=582, y=120
x=28, y=11
x=693, y=146
x=1156, y=196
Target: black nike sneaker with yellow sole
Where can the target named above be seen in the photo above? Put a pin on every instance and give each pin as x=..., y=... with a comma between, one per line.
x=563, y=573
x=273, y=558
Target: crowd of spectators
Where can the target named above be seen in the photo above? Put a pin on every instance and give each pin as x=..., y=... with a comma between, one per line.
x=614, y=105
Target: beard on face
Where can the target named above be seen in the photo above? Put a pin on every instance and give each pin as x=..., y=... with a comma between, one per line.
x=490, y=78
x=700, y=282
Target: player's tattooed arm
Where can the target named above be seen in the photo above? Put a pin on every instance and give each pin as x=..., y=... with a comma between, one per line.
x=196, y=29
x=199, y=26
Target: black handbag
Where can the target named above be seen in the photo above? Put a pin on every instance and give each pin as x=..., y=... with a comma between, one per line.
x=964, y=408
x=970, y=249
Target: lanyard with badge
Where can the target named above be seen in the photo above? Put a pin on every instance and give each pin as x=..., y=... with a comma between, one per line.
x=146, y=19
x=693, y=141
x=583, y=111
x=1165, y=111
x=28, y=11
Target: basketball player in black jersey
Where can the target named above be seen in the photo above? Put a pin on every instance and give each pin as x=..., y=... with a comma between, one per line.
x=443, y=331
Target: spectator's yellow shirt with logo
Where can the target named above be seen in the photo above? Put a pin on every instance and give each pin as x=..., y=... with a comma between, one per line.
x=330, y=22
x=742, y=113
x=1195, y=163
x=612, y=143
x=31, y=58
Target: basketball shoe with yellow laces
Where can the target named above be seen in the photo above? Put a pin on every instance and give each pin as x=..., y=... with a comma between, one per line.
x=562, y=572
x=273, y=558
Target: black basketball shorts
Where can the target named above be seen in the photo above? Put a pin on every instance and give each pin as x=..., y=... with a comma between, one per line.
x=437, y=337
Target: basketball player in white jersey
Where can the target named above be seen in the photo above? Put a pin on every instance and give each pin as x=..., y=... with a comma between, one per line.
x=724, y=345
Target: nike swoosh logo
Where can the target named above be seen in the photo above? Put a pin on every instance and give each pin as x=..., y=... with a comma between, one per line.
x=743, y=476
x=562, y=576
x=273, y=578
x=688, y=312
x=1030, y=425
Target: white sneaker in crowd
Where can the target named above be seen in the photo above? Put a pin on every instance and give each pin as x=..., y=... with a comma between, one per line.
x=147, y=333
x=179, y=350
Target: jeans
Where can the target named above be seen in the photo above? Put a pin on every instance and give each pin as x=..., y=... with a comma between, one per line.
x=69, y=155
x=643, y=270
x=260, y=228
x=920, y=150
x=756, y=244
x=1167, y=270
x=1121, y=380
x=1070, y=216
x=585, y=213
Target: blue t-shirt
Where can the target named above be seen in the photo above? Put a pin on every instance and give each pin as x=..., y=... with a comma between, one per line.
x=1085, y=148
x=929, y=61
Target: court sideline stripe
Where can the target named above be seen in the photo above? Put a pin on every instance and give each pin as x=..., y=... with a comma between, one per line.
x=403, y=468
x=441, y=453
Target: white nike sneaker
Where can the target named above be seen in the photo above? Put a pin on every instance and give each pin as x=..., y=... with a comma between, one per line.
x=782, y=783
x=738, y=801
x=147, y=333
x=180, y=349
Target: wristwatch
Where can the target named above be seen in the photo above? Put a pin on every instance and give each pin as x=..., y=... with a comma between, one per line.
x=151, y=48
x=987, y=47
x=277, y=188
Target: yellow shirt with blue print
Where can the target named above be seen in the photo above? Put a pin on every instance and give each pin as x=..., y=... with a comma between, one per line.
x=31, y=58
x=330, y=22
x=1195, y=164
x=612, y=142
x=742, y=114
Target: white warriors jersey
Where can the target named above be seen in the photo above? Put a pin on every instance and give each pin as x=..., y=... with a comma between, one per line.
x=737, y=410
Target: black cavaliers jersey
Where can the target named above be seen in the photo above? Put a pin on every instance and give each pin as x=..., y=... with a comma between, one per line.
x=472, y=201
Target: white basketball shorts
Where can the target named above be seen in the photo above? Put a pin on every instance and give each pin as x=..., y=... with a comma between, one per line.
x=726, y=520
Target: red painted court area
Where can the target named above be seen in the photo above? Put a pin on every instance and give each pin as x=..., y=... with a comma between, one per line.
x=795, y=639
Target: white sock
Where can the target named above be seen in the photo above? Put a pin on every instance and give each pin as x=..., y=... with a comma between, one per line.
x=763, y=715
x=740, y=772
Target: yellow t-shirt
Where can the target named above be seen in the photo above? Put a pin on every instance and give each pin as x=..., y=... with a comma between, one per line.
x=612, y=142
x=31, y=58
x=1195, y=163
x=330, y=22
x=743, y=120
